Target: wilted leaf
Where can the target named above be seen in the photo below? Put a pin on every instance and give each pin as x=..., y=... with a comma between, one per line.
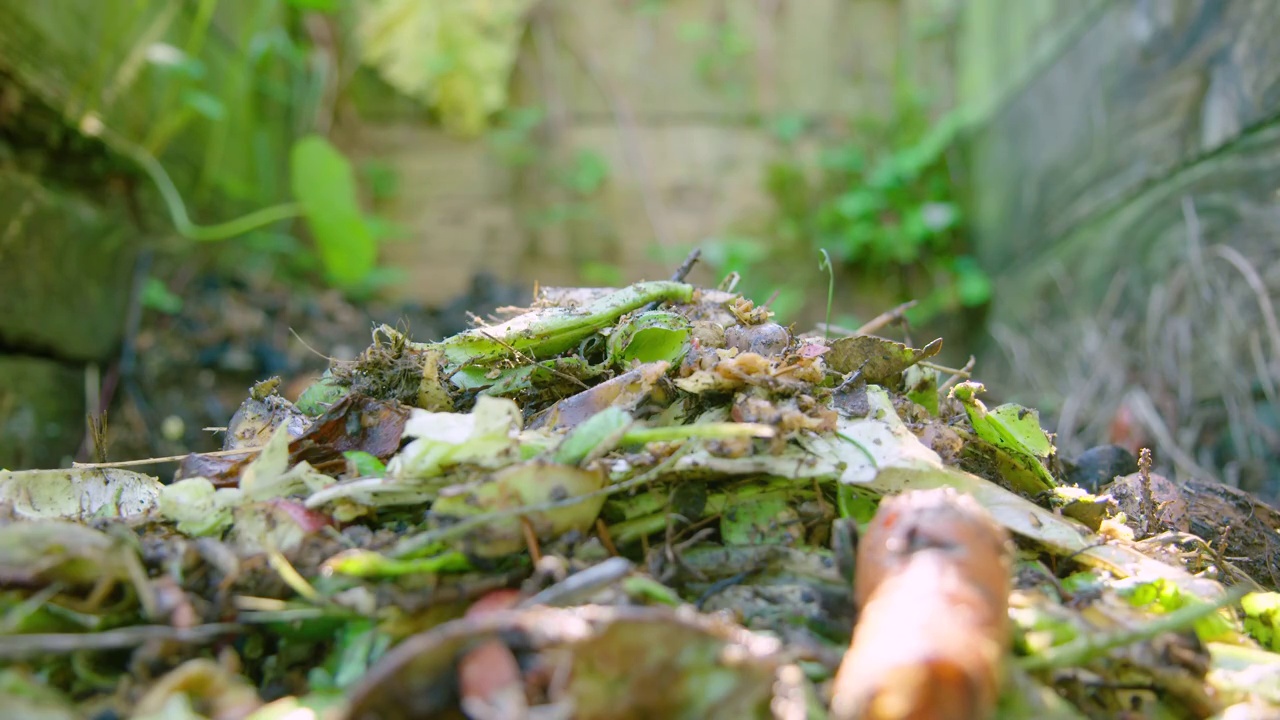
x=37, y=552
x=24, y=695
x=662, y=669
x=516, y=486
x=624, y=392
x=356, y=422
x=274, y=525
x=484, y=437
x=269, y=475
x=78, y=493
x=551, y=379
x=257, y=418
x=432, y=393
x=623, y=662
x=879, y=360
x=197, y=507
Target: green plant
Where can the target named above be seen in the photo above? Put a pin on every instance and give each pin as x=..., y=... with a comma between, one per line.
x=566, y=194
x=324, y=184
x=883, y=201
x=722, y=58
x=275, y=72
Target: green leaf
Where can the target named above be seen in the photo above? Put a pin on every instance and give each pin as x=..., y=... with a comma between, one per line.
x=597, y=435
x=788, y=127
x=1012, y=428
x=1259, y=604
x=859, y=204
x=972, y=283
x=320, y=395
x=759, y=519
x=365, y=465
x=369, y=564
x=315, y=5
x=324, y=184
x=650, y=337
x=588, y=173
x=197, y=507
x=156, y=296
x=207, y=105
x=922, y=388
x=454, y=56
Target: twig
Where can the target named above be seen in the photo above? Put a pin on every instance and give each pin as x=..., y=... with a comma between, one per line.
x=963, y=372
x=530, y=540
x=16, y=647
x=98, y=435
x=1148, y=499
x=602, y=532
x=686, y=266
x=886, y=318
x=1140, y=402
x=170, y=458
x=582, y=584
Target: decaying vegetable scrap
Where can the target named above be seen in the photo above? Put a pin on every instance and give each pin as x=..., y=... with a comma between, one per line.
x=932, y=589
x=636, y=502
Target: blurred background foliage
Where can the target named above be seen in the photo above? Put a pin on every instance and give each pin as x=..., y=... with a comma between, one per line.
x=447, y=155
x=233, y=114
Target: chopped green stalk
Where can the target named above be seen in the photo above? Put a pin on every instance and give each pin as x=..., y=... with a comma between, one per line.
x=547, y=332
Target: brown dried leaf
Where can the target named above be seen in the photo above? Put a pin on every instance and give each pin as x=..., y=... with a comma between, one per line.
x=879, y=360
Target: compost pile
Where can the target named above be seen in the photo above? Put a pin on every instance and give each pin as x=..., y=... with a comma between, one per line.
x=648, y=502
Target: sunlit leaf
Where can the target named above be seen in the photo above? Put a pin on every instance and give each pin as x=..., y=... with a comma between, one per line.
x=453, y=55
x=650, y=337
x=878, y=359
x=324, y=184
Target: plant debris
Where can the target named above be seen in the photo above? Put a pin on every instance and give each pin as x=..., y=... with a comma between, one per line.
x=642, y=502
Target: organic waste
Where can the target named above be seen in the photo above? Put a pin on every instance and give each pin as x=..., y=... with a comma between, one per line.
x=643, y=502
